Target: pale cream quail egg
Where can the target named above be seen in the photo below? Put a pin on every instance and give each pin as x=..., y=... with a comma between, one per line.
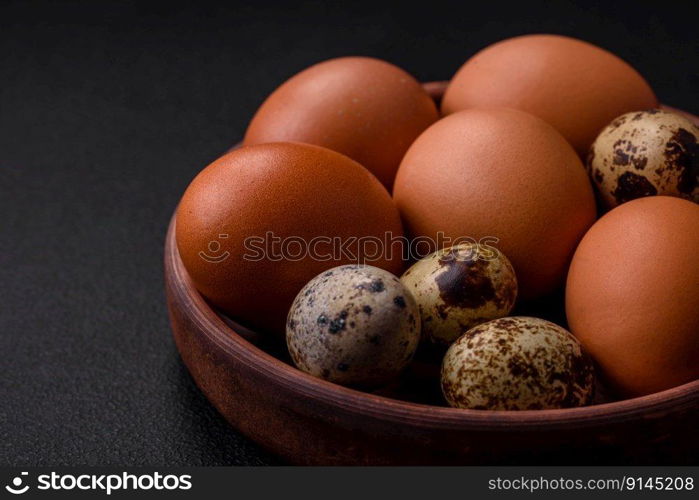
x=353, y=325
x=459, y=287
x=517, y=363
x=646, y=153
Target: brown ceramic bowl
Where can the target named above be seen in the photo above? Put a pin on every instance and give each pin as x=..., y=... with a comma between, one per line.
x=306, y=420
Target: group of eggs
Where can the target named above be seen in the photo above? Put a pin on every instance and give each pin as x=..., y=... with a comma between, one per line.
x=502, y=159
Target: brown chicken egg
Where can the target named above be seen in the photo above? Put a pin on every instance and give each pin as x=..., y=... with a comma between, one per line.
x=499, y=173
x=257, y=224
x=575, y=86
x=632, y=297
x=365, y=108
x=645, y=153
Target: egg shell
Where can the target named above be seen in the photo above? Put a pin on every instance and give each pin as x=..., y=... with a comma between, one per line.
x=646, y=153
x=517, y=363
x=459, y=287
x=294, y=192
x=365, y=108
x=573, y=85
x=353, y=325
x=632, y=294
x=499, y=173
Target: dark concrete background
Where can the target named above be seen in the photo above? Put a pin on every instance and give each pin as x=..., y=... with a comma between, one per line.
x=108, y=110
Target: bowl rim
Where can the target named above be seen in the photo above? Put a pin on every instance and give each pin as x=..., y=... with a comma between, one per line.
x=235, y=346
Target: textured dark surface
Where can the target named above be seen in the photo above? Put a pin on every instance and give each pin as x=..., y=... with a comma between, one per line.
x=108, y=110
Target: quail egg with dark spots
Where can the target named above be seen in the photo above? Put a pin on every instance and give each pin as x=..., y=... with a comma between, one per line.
x=353, y=325
x=460, y=287
x=517, y=363
x=646, y=153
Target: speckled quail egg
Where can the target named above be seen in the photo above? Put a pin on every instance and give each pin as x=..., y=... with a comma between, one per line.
x=517, y=363
x=459, y=287
x=353, y=325
x=646, y=153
